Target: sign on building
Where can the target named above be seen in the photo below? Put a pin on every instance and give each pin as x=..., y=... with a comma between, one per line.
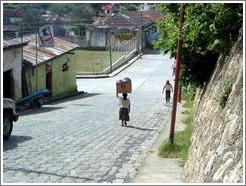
x=124, y=36
x=46, y=36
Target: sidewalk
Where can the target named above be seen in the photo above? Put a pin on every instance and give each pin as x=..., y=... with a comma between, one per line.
x=161, y=170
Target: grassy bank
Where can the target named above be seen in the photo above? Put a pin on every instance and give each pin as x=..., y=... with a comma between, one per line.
x=182, y=138
x=93, y=61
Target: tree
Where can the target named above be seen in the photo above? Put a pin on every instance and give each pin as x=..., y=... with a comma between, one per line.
x=130, y=6
x=208, y=31
x=78, y=12
x=30, y=20
x=82, y=13
x=26, y=6
x=60, y=9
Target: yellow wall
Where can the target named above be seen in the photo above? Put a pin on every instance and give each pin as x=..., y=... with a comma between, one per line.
x=31, y=78
x=62, y=82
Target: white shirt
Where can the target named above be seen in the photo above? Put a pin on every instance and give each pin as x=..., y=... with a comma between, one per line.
x=124, y=103
x=174, y=64
x=168, y=87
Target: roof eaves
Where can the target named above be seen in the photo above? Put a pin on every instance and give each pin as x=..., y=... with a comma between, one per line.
x=14, y=45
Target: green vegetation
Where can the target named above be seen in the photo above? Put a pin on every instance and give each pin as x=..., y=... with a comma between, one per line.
x=209, y=29
x=26, y=6
x=81, y=13
x=76, y=11
x=227, y=87
x=59, y=8
x=179, y=149
x=93, y=61
x=30, y=19
x=129, y=6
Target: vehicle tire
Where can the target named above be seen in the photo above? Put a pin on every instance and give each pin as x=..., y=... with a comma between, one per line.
x=7, y=125
x=35, y=104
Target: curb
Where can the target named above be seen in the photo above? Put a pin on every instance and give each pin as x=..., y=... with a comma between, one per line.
x=63, y=97
x=160, y=170
x=112, y=74
x=47, y=100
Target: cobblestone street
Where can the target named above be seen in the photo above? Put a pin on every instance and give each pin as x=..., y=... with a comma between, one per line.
x=80, y=139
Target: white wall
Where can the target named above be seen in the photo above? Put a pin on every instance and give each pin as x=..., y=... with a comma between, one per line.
x=12, y=60
x=98, y=39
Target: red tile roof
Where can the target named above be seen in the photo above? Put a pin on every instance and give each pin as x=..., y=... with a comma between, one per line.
x=121, y=21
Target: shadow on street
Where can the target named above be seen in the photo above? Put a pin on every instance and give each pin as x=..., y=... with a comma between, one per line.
x=83, y=105
x=139, y=128
x=72, y=98
x=13, y=141
x=38, y=110
x=43, y=108
x=151, y=51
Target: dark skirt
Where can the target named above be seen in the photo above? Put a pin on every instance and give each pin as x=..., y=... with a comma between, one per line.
x=168, y=94
x=124, y=114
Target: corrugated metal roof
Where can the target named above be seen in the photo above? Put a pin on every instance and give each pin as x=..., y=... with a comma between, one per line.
x=13, y=43
x=45, y=53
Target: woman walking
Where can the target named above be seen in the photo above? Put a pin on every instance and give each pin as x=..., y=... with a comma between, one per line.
x=124, y=104
x=168, y=88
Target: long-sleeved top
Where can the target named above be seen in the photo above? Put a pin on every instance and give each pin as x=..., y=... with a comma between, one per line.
x=124, y=103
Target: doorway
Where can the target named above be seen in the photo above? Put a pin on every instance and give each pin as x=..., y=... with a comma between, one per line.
x=49, y=81
x=8, y=91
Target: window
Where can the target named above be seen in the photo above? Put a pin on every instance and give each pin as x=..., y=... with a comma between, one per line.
x=82, y=31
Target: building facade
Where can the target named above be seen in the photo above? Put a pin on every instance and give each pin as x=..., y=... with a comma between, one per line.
x=12, y=69
x=50, y=68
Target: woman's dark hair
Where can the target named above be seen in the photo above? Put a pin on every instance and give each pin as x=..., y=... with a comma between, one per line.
x=124, y=96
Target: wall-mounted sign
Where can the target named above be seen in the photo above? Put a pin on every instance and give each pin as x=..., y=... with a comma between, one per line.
x=124, y=37
x=46, y=36
x=65, y=67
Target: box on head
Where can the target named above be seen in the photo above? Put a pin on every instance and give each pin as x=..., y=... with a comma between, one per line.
x=124, y=86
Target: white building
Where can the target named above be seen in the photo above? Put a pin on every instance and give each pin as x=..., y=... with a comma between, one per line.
x=12, y=68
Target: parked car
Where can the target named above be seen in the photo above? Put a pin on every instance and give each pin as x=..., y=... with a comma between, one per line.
x=35, y=99
x=9, y=115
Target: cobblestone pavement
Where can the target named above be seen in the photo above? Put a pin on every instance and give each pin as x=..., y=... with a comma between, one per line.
x=80, y=139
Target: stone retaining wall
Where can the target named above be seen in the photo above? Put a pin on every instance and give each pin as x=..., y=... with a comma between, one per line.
x=216, y=153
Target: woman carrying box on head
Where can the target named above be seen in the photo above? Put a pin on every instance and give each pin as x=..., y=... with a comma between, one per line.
x=124, y=104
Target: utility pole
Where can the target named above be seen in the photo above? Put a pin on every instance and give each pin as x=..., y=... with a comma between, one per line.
x=176, y=86
x=140, y=55
x=179, y=92
x=110, y=52
x=36, y=68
